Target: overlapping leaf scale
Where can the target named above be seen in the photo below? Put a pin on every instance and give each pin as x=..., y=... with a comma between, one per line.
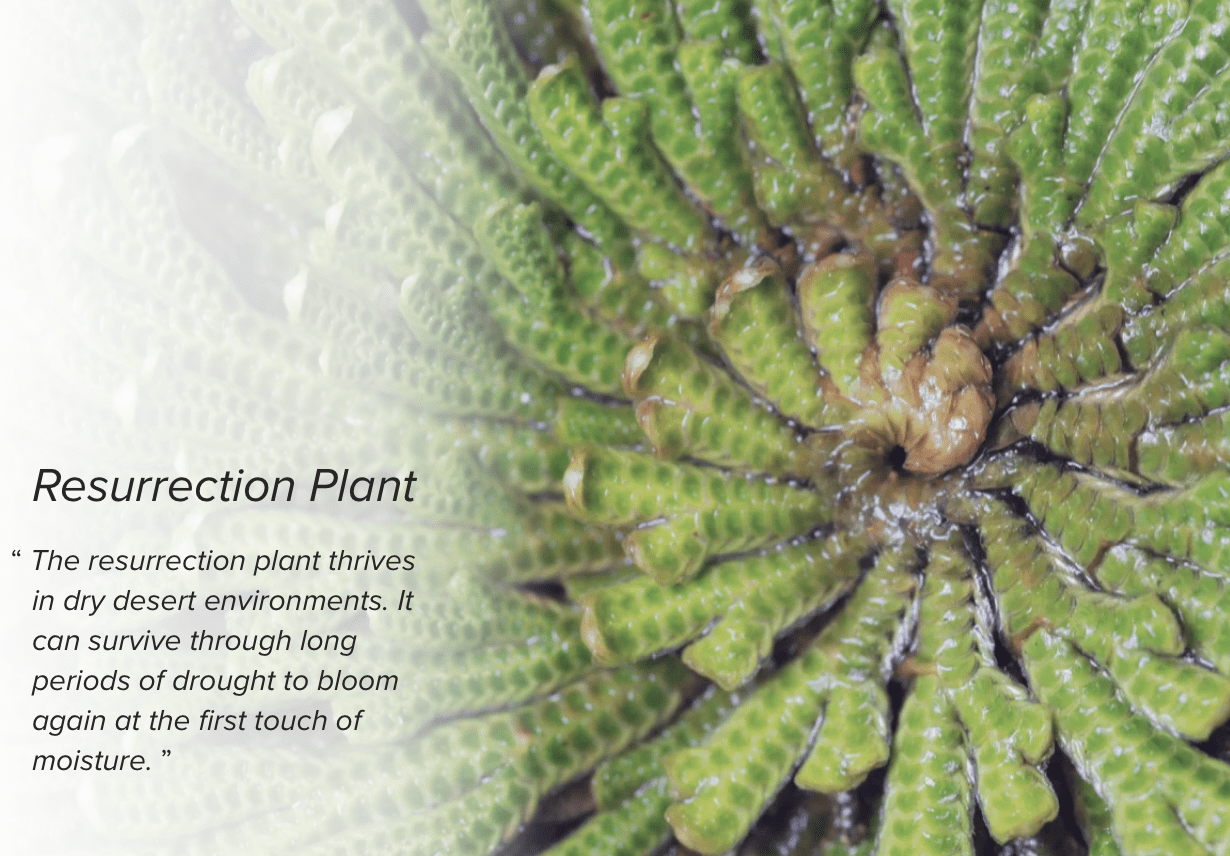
x=688, y=406
x=222, y=358
x=465, y=680
x=416, y=236
x=677, y=67
x=1130, y=426
x=1165, y=275
x=607, y=147
x=739, y=606
x=1162, y=794
x=548, y=544
x=754, y=321
x=837, y=307
x=1032, y=291
x=723, y=785
x=583, y=422
x=374, y=53
x=1094, y=818
x=1118, y=43
x=615, y=290
x=1186, y=271
x=539, y=315
x=635, y=827
x=189, y=91
x=819, y=42
x=1001, y=730
x=1181, y=89
x=928, y=800
x=631, y=790
x=1024, y=49
x=474, y=46
x=543, y=745
x=1138, y=641
x=684, y=513
x=799, y=191
x=547, y=32
x=364, y=342
x=386, y=216
x=917, y=117
x=1198, y=598
x=464, y=613
x=1186, y=523
x=1081, y=348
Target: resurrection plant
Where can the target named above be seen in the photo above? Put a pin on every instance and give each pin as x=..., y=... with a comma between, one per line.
x=821, y=407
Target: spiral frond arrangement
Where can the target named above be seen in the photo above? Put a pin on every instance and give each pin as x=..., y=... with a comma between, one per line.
x=825, y=405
